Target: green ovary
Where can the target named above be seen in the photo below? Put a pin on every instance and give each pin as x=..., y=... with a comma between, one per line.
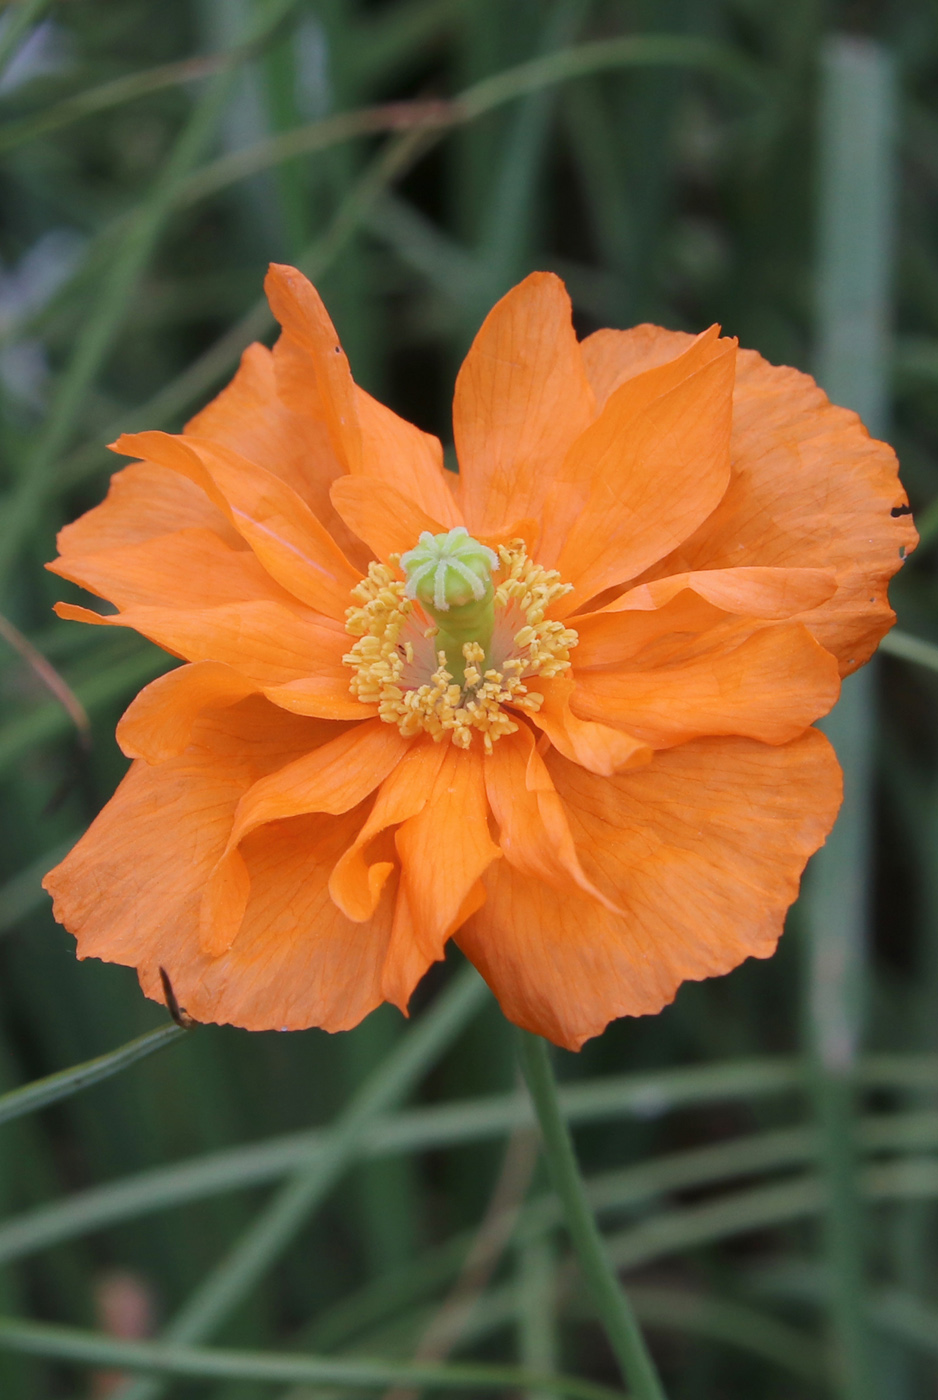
x=450, y=575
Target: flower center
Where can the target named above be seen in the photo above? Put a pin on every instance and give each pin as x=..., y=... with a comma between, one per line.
x=450, y=634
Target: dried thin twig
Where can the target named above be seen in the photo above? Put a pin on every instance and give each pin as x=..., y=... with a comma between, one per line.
x=49, y=677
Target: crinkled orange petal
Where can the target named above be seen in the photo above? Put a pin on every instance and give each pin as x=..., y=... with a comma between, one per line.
x=608, y=638
x=521, y=399
x=133, y=899
x=265, y=641
x=312, y=372
x=611, y=356
x=388, y=521
x=810, y=489
x=354, y=884
x=188, y=569
x=249, y=417
x=407, y=459
x=293, y=546
x=771, y=593
x=445, y=848
x=326, y=696
x=767, y=683
x=652, y=467
x=297, y=961
x=159, y=722
x=598, y=747
x=143, y=501
x=333, y=778
x=534, y=834
x=703, y=850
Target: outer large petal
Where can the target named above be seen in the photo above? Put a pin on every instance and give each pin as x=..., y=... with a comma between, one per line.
x=702, y=849
x=267, y=642
x=187, y=569
x=130, y=889
x=810, y=488
x=598, y=747
x=521, y=399
x=297, y=961
x=646, y=474
x=288, y=539
x=768, y=683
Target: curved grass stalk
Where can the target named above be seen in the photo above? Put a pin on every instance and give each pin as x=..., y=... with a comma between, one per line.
x=42, y=1092
x=19, y=20
x=277, y=1223
x=168, y=1360
x=614, y=1309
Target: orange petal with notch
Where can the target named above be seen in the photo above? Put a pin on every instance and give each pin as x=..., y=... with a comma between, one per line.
x=288, y=539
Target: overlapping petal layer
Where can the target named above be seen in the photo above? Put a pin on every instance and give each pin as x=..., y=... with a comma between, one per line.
x=291, y=859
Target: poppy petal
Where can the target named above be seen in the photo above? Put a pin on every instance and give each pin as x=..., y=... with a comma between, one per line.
x=387, y=520
x=265, y=641
x=333, y=778
x=293, y=546
x=767, y=683
x=810, y=489
x=703, y=849
x=652, y=467
x=313, y=375
x=445, y=847
x=144, y=500
x=249, y=417
x=131, y=899
x=534, y=834
x=187, y=569
x=405, y=458
x=598, y=747
x=297, y=960
x=521, y=399
x=354, y=884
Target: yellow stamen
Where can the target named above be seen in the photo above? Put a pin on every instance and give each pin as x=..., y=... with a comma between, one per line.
x=394, y=645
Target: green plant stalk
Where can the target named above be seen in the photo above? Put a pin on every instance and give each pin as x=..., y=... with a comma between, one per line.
x=277, y=1224
x=624, y=1335
x=95, y=1349
x=855, y=212
x=253, y=1164
x=42, y=1092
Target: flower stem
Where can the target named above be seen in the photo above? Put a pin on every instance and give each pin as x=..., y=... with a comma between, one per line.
x=615, y=1312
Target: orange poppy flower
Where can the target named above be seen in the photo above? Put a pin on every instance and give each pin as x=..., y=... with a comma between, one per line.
x=556, y=707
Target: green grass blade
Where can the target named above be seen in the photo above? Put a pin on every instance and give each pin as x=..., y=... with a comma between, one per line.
x=914, y=649
x=276, y=1225
x=91, y=1349
x=24, y=893
x=853, y=288
x=32, y=1097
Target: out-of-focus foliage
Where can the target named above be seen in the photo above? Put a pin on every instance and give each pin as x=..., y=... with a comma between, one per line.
x=153, y=159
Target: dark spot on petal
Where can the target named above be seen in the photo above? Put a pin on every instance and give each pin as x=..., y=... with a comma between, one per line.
x=900, y=510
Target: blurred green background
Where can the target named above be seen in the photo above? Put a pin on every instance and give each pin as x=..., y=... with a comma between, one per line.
x=775, y=1221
